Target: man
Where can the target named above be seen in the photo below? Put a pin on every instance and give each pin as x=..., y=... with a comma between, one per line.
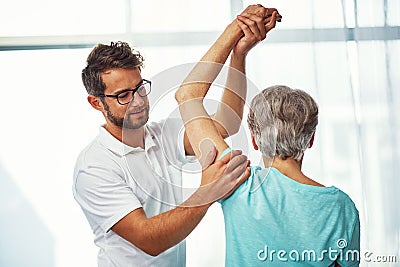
x=279, y=216
x=128, y=180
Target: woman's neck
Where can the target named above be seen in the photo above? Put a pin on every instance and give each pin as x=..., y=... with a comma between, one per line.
x=291, y=168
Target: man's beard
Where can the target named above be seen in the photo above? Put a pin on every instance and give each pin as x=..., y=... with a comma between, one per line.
x=125, y=122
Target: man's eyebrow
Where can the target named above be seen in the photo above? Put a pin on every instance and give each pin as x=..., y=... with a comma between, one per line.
x=127, y=89
x=122, y=91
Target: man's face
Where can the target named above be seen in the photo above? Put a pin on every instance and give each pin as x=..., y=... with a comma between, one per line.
x=136, y=113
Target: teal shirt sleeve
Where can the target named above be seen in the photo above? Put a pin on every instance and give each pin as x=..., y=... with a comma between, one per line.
x=350, y=254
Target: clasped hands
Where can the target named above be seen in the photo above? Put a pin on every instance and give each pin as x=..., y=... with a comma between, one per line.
x=254, y=23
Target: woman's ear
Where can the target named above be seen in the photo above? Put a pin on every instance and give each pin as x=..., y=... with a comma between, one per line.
x=95, y=102
x=253, y=141
x=311, y=141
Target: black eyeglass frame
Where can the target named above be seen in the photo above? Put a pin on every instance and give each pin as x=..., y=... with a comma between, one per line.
x=143, y=82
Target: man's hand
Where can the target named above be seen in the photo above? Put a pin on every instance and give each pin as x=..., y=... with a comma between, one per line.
x=220, y=179
x=255, y=22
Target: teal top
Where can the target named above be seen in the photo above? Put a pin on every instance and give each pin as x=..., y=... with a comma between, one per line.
x=272, y=220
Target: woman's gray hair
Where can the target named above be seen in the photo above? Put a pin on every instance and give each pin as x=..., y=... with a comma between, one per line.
x=283, y=120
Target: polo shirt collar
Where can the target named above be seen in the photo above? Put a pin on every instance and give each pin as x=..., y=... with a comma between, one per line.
x=121, y=149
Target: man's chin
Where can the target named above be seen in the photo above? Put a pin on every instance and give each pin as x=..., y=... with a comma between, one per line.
x=135, y=123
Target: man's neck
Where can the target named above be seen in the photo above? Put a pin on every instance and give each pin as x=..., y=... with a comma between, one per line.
x=130, y=137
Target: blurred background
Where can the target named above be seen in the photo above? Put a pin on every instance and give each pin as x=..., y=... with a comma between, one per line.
x=345, y=53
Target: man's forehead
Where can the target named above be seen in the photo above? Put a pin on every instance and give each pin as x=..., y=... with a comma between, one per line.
x=124, y=78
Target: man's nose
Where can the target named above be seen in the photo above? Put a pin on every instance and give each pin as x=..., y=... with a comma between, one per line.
x=137, y=100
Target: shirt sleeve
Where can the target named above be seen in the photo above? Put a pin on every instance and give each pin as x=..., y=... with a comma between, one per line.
x=351, y=253
x=104, y=196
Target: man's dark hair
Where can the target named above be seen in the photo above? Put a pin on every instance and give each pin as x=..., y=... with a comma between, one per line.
x=105, y=57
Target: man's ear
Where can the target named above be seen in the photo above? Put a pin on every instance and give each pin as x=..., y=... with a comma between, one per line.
x=253, y=141
x=95, y=102
x=311, y=141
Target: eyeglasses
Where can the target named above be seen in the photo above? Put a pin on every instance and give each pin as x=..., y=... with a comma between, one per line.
x=126, y=96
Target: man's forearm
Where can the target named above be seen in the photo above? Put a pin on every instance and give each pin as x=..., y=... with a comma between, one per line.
x=170, y=228
x=157, y=234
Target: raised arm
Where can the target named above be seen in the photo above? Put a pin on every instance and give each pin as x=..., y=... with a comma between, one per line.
x=202, y=132
x=230, y=110
x=203, y=75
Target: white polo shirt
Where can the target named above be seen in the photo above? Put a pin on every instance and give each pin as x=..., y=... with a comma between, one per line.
x=112, y=179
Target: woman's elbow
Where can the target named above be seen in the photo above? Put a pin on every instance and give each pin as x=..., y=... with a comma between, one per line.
x=179, y=96
x=183, y=95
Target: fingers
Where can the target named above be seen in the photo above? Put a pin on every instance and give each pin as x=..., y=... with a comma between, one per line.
x=236, y=162
x=225, y=179
x=270, y=11
x=261, y=11
x=238, y=170
x=254, y=24
x=243, y=27
x=258, y=10
x=244, y=176
x=225, y=159
x=256, y=21
x=272, y=23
